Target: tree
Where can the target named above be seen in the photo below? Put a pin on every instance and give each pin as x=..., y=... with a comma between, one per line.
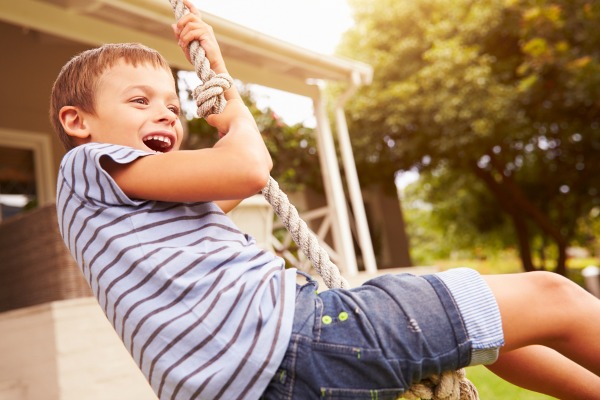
x=446, y=231
x=503, y=91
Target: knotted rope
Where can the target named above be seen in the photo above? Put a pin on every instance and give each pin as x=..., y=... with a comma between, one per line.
x=450, y=385
x=303, y=236
x=210, y=99
x=209, y=95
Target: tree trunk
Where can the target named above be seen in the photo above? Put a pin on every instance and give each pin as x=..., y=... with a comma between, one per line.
x=513, y=201
x=518, y=221
x=561, y=261
x=387, y=227
x=520, y=226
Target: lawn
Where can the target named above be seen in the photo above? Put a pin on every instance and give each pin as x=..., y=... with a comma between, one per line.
x=508, y=262
x=490, y=387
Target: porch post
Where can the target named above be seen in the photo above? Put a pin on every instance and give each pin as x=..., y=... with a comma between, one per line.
x=358, y=206
x=334, y=189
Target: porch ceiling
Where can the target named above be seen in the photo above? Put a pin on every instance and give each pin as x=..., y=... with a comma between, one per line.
x=252, y=57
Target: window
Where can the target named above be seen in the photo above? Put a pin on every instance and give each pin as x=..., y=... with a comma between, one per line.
x=26, y=178
x=17, y=181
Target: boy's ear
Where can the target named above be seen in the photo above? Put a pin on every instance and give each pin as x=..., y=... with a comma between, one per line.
x=73, y=122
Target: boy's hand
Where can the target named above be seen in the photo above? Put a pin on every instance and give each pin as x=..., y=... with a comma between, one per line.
x=191, y=27
x=235, y=112
x=236, y=125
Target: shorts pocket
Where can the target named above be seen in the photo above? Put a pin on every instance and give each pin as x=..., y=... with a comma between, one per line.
x=360, y=394
x=350, y=369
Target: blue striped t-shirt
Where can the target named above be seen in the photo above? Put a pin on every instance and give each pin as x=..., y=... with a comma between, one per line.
x=204, y=312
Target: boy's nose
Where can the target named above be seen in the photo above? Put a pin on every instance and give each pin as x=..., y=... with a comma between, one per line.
x=167, y=116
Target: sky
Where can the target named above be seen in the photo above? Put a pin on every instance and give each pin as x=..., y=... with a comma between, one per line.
x=316, y=25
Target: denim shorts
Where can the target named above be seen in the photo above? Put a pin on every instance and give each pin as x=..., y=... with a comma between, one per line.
x=371, y=342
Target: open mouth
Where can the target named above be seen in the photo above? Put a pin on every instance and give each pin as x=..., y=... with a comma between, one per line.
x=158, y=143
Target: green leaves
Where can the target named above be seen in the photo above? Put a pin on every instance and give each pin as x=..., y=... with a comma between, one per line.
x=510, y=82
x=293, y=148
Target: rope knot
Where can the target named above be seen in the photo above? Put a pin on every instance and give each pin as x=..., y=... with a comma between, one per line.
x=450, y=385
x=209, y=95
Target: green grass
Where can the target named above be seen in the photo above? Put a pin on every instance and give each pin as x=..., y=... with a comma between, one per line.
x=492, y=387
x=508, y=262
x=499, y=265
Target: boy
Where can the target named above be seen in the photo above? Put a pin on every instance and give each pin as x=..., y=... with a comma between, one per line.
x=207, y=314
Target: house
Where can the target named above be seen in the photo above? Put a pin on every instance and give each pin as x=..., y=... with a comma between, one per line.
x=55, y=343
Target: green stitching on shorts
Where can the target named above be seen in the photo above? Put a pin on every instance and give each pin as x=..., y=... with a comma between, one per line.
x=282, y=377
x=343, y=316
x=327, y=319
x=357, y=351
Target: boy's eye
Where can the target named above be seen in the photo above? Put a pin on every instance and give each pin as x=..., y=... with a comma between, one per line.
x=174, y=109
x=140, y=100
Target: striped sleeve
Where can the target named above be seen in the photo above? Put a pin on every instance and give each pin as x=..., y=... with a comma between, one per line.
x=83, y=162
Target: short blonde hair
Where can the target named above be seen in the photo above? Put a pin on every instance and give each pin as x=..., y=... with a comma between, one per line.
x=77, y=81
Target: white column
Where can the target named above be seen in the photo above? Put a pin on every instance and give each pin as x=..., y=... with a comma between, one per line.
x=334, y=190
x=358, y=205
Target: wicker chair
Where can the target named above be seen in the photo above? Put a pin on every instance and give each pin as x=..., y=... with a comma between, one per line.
x=35, y=265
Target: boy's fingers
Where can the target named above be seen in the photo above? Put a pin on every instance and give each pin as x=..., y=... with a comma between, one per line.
x=184, y=20
x=191, y=7
x=190, y=21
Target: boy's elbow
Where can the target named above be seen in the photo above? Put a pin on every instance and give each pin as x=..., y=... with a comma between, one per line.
x=253, y=184
x=260, y=175
x=254, y=171
x=260, y=183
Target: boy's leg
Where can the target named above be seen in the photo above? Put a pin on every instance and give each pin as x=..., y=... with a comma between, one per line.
x=547, y=309
x=544, y=370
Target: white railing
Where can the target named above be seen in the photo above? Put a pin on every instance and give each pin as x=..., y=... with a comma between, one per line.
x=256, y=217
x=286, y=247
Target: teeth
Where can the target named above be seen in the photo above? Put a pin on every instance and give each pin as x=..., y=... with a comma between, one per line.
x=166, y=141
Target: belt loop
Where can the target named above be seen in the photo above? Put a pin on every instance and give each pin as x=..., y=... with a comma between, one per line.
x=309, y=279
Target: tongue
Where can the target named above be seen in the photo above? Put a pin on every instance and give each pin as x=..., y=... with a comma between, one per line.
x=157, y=145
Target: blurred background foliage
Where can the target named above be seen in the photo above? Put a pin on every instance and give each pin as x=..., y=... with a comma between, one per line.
x=497, y=105
x=292, y=147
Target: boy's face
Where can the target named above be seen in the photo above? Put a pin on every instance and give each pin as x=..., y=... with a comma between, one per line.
x=137, y=107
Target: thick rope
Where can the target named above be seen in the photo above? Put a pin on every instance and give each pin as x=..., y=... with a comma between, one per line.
x=210, y=99
x=303, y=236
x=450, y=385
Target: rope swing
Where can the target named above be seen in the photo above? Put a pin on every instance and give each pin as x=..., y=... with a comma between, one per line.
x=210, y=99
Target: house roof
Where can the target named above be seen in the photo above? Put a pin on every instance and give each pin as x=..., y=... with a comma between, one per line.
x=252, y=57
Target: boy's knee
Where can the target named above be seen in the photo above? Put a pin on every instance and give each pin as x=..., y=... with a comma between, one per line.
x=554, y=287
x=561, y=302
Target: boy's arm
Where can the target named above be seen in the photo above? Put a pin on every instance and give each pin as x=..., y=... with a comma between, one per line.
x=227, y=205
x=238, y=166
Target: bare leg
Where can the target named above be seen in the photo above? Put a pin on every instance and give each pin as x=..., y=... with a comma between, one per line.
x=543, y=370
x=547, y=309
